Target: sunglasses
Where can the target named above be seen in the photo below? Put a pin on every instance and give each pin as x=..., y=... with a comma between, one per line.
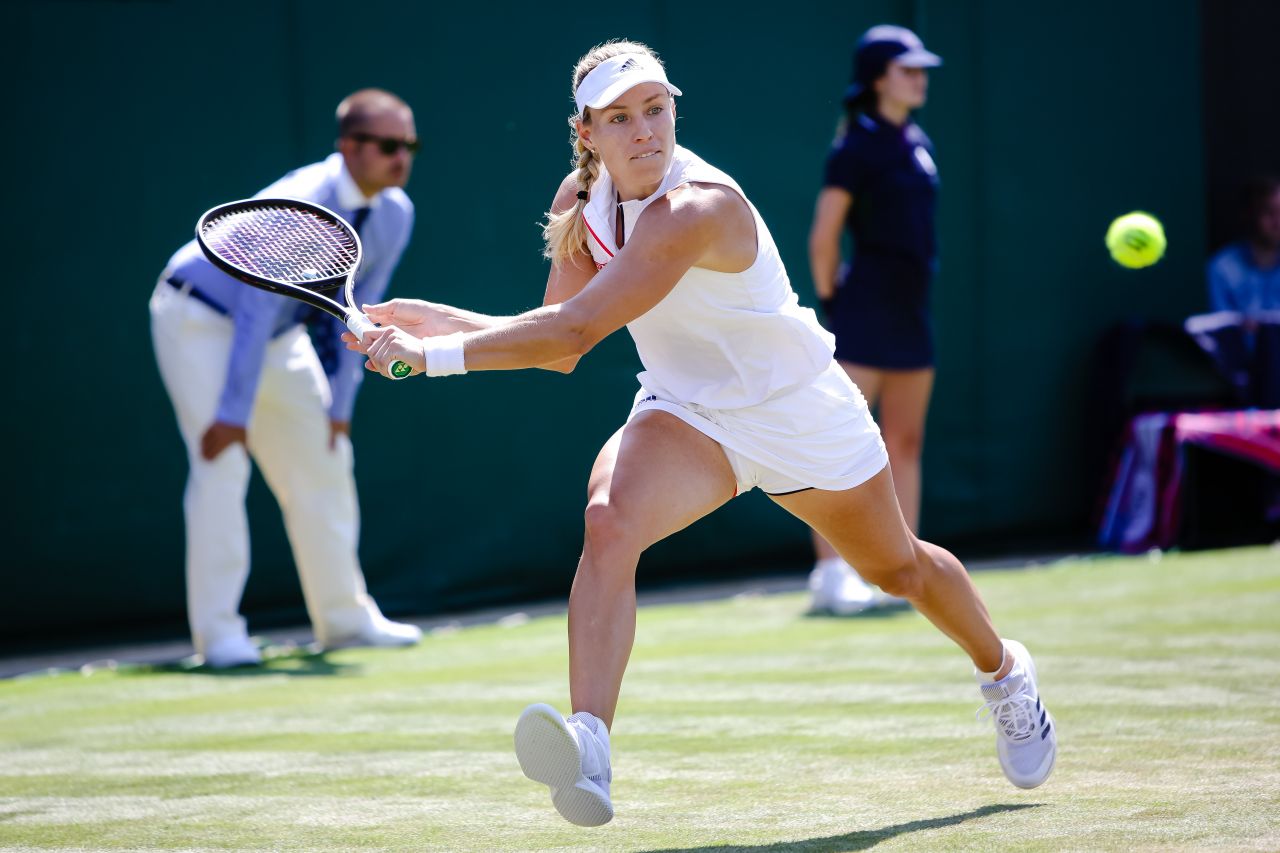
x=388, y=145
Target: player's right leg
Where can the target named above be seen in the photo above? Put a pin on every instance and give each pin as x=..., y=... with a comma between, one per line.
x=192, y=343
x=654, y=477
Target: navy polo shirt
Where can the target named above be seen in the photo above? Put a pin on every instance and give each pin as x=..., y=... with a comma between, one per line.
x=891, y=174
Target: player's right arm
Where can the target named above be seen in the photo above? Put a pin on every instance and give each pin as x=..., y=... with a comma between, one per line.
x=824, y=238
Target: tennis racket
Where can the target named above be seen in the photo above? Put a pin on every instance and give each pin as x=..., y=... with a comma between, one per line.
x=291, y=247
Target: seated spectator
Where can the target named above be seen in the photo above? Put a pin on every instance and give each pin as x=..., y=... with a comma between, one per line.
x=1243, y=332
x=1245, y=276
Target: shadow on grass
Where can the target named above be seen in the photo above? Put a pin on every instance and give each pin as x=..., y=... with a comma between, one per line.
x=287, y=659
x=861, y=840
x=292, y=663
x=882, y=611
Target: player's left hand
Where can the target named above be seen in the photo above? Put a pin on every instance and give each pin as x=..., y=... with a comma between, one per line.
x=388, y=345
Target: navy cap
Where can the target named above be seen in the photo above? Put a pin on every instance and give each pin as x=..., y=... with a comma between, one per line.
x=881, y=45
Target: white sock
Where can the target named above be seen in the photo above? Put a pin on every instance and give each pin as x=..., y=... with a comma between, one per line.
x=593, y=723
x=990, y=677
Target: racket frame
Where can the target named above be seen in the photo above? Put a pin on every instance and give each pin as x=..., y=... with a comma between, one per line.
x=349, y=314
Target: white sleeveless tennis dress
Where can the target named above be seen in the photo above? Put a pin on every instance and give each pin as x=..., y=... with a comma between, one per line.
x=735, y=356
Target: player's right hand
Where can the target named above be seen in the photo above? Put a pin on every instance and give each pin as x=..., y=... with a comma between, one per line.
x=423, y=319
x=218, y=437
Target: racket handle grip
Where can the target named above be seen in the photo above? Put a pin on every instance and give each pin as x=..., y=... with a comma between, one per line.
x=359, y=324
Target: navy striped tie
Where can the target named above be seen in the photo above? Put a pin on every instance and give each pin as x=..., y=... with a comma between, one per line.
x=357, y=221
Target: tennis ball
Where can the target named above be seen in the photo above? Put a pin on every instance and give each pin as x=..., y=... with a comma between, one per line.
x=1136, y=240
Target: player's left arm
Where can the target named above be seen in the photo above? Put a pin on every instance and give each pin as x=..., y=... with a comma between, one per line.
x=565, y=280
x=423, y=319
x=673, y=235
x=691, y=226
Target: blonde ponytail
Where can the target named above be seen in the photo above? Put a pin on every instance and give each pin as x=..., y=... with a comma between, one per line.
x=565, y=234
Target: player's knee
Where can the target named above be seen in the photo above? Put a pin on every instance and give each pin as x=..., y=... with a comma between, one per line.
x=607, y=528
x=901, y=575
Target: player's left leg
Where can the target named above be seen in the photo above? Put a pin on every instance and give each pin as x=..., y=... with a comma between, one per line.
x=903, y=406
x=866, y=527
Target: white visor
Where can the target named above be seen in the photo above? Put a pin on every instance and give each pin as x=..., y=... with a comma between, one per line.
x=611, y=78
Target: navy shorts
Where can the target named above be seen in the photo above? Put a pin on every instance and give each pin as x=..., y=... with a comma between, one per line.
x=880, y=315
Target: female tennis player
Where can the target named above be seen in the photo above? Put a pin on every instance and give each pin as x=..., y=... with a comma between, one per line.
x=739, y=391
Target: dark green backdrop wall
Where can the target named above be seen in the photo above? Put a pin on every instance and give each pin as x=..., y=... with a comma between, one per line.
x=140, y=115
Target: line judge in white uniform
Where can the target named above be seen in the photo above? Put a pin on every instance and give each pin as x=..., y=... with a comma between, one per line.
x=245, y=380
x=739, y=391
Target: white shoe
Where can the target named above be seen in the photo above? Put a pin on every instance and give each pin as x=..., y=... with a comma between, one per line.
x=232, y=651
x=1026, y=738
x=838, y=589
x=572, y=758
x=382, y=633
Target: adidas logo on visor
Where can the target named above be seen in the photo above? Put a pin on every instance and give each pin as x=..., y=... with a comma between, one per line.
x=627, y=66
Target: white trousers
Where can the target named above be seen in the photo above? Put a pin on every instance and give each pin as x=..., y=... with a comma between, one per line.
x=288, y=437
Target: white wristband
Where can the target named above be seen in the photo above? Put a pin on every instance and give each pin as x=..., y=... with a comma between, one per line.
x=443, y=355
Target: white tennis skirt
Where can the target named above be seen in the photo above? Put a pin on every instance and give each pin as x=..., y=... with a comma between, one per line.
x=818, y=436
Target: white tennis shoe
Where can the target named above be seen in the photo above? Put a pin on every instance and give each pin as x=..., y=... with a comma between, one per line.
x=572, y=758
x=233, y=651
x=1026, y=738
x=380, y=633
x=838, y=589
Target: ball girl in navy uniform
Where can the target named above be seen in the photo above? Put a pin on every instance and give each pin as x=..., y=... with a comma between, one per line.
x=880, y=184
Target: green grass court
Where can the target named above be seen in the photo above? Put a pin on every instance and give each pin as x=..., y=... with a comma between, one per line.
x=744, y=725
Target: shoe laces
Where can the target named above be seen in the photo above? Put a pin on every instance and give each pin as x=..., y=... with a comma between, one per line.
x=1012, y=708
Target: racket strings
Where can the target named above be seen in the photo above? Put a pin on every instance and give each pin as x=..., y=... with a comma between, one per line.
x=283, y=243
